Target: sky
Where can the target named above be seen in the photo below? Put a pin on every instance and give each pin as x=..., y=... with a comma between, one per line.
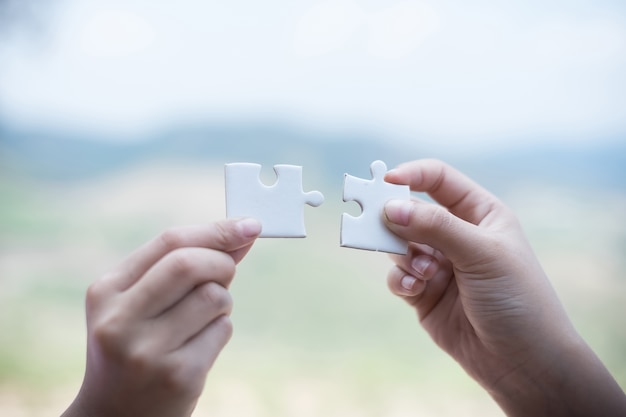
x=449, y=71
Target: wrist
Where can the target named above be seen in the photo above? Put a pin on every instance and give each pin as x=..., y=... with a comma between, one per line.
x=570, y=381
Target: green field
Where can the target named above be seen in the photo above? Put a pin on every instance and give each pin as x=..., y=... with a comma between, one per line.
x=316, y=331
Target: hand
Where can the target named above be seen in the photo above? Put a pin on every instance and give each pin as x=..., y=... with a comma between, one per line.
x=157, y=322
x=481, y=294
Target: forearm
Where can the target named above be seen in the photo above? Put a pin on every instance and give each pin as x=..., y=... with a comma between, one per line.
x=575, y=383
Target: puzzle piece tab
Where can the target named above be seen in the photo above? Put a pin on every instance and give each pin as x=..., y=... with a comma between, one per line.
x=368, y=231
x=279, y=208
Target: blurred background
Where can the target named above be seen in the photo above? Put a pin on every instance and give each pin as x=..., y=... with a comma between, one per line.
x=116, y=119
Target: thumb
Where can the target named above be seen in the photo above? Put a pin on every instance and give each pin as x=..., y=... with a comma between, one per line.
x=433, y=225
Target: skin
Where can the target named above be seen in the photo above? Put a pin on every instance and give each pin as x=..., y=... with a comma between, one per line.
x=481, y=294
x=157, y=322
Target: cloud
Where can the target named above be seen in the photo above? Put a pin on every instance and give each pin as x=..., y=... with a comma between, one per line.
x=397, y=31
x=114, y=33
x=391, y=31
x=440, y=69
x=593, y=42
x=327, y=26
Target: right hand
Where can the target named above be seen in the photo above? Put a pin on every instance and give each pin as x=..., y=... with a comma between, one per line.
x=479, y=290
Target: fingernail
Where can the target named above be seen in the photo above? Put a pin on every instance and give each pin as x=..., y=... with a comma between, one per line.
x=398, y=211
x=421, y=263
x=408, y=282
x=249, y=227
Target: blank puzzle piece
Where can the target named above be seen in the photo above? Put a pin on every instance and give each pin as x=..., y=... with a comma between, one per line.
x=368, y=231
x=279, y=208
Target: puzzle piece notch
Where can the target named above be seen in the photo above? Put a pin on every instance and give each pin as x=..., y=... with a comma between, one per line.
x=368, y=231
x=279, y=207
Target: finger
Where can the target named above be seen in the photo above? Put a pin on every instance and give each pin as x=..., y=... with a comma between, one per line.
x=174, y=276
x=201, y=351
x=240, y=253
x=404, y=284
x=441, y=292
x=420, y=261
x=423, y=295
x=229, y=235
x=417, y=249
x=193, y=313
x=434, y=226
x=447, y=186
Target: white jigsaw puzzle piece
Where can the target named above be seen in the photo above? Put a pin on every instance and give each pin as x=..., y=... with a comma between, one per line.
x=279, y=207
x=368, y=231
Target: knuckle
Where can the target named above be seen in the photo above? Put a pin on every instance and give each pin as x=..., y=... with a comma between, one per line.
x=217, y=296
x=508, y=214
x=175, y=383
x=222, y=267
x=95, y=294
x=437, y=218
x=222, y=235
x=393, y=279
x=434, y=165
x=181, y=379
x=181, y=262
x=102, y=289
x=229, y=266
x=225, y=327
x=109, y=334
x=140, y=360
x=171, y=239
x=434, y=170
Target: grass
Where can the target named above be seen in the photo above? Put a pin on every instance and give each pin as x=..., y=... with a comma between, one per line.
x=316, y=330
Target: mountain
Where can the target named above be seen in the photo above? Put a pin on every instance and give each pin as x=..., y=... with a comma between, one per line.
x=59, y=156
